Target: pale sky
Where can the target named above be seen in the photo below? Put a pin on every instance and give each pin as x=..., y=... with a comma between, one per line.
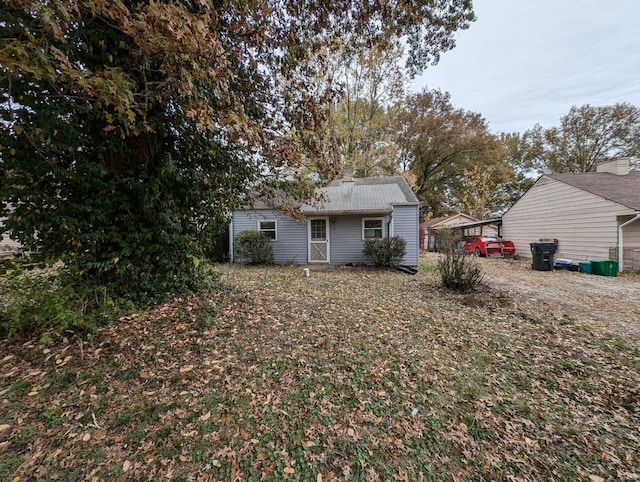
x=524, y=62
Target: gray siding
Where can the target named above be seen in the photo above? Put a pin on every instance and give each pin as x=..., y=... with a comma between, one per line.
x=406, y=224
x=291, y=245
x=585, y=225
x=346, y=239
x=345, y=235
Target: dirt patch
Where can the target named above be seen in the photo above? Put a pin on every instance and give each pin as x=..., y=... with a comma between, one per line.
x=604, y=303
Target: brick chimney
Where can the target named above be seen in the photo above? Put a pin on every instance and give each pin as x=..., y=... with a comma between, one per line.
x=347, y=173
x=619, y=166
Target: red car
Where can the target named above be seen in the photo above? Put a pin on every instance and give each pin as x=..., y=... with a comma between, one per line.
x=488, y=246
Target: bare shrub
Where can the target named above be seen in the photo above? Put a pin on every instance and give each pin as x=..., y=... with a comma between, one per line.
x=459, y=271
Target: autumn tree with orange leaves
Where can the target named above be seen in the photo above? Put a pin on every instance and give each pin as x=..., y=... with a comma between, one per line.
x=454, y=161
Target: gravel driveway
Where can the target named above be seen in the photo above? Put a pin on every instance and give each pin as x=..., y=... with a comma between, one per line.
x=604, y=303
x=609, y=303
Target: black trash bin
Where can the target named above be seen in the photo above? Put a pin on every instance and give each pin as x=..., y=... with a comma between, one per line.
x=542, y=254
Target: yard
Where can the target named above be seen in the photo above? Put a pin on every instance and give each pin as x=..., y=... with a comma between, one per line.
x=349, y=374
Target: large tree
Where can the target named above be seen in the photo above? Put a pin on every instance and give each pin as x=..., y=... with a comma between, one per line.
x=585, y=136
x=444, y=148
x=509, y=190
x=367, y=87
x=129, y=129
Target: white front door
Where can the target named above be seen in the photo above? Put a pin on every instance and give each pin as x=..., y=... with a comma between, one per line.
x=318, y=240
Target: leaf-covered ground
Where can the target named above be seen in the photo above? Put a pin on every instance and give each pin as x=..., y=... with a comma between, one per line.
x=350, y=374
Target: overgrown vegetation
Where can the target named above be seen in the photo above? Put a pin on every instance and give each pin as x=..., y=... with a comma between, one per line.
x=40, y=300
x=385, y=252
x=254, y=247
x=36, y=300
x=459, y=271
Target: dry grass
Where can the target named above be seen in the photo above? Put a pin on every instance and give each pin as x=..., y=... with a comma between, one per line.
x=350, y=374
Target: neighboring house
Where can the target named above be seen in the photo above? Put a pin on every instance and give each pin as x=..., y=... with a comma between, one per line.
x=8, y=247
x=457, y=222
x=593, y=215
x=334, y=231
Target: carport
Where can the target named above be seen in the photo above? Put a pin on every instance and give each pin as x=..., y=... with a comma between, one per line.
x=463, y=229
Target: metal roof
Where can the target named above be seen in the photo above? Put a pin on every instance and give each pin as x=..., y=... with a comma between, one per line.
x=364, y=195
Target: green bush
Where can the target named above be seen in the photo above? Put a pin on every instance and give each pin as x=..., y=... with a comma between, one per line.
x=459, y=271
x=46, y=300
x=385, y=252
x=43, y=300
x=254, y=247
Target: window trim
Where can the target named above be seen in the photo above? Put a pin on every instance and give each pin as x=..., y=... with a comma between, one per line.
x=274, y=230
x=381, y=228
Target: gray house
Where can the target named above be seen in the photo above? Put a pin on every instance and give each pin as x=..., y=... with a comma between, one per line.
x=333, y=232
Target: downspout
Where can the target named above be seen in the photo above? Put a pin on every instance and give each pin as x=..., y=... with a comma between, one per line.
x=621, y=241
x=231, y=241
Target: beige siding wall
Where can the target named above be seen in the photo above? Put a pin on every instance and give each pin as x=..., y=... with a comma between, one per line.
x=631, y=245
x=631, y=233
x=7, y=245
x=585, y=225
x=489, y=231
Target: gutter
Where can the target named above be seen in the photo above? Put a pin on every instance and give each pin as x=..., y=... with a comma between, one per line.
x=621, y=241
x=348, y=212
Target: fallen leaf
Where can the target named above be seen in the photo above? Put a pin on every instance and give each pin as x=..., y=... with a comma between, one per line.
x=4, y=427
x=126, y=466
x=319, y=478
x=289, y=470
x=216, y=463
x=86, y=437
x=595, y=478
x=463, y=427
x=206, y=416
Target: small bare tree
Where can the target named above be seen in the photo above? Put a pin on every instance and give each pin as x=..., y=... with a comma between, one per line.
x=459, y=271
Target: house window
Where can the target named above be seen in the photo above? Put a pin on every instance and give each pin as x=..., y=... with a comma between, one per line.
x=269, y=227
x=372, y=228
x=318, y=230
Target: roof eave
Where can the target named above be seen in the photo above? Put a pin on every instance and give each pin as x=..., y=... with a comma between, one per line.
x=345, y=212
x=405, y=203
